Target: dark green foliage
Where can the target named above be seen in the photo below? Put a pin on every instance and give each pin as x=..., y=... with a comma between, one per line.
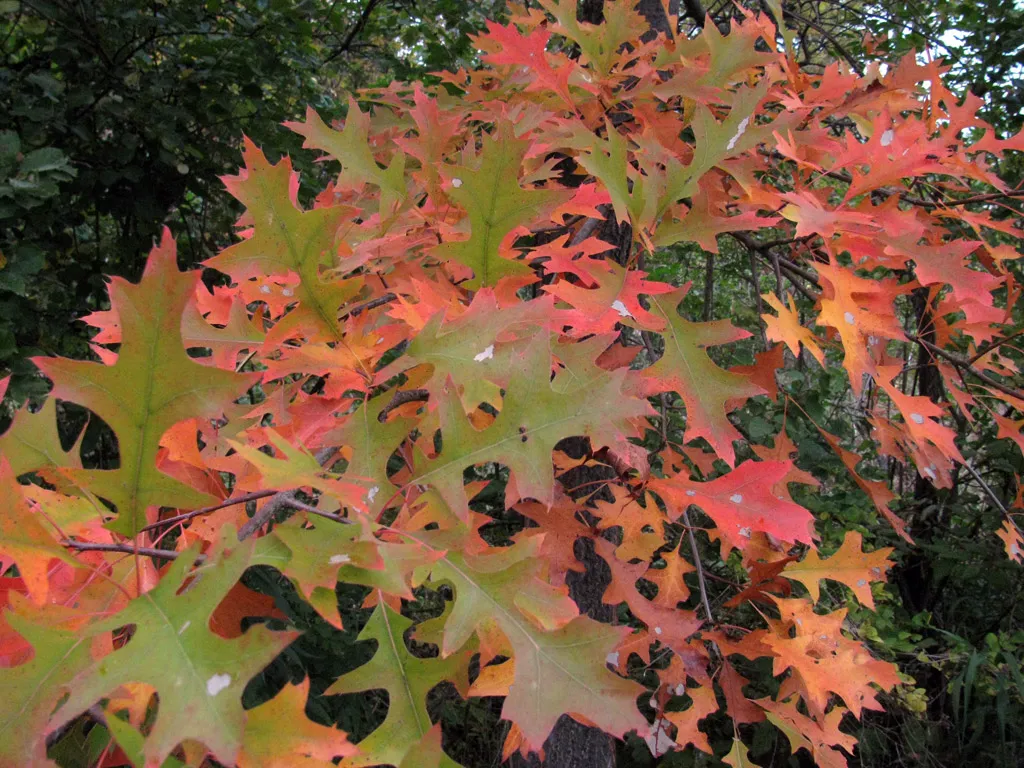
x=120, y=115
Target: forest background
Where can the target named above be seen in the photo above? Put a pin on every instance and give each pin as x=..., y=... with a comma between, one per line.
x=120, y=116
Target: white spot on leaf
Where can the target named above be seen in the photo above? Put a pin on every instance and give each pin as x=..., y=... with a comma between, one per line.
x=849, y=318
x=862, y=582
x=745, y=532
x=619, y=307
x=887, y=136
x=740, y=130
x=917, y=418
x=287, y=292
x=184, y=626
x=372, y=493
x=658, y=740
x=736, y=498
x=487, y=354
x=217, y=683
x=691, y=493
x=612, y=658
x=657, y=630
x=264, y=289
x=456, y=183
x=339, y=559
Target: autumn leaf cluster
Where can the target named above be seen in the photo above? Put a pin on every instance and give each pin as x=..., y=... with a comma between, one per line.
x=469, y=291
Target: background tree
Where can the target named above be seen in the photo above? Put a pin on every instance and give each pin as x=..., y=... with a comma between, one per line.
x=121, y=116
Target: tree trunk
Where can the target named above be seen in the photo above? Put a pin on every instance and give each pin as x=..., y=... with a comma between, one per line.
x=915, y=577
x=571, y=744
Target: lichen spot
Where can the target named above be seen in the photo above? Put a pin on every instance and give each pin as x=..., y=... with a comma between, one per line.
x=217, y=683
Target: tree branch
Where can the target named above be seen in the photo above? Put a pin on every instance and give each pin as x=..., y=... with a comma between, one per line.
x=361, y=22
x=965, y=365
x=401, y=398
x=279, y=501
x=207, y=510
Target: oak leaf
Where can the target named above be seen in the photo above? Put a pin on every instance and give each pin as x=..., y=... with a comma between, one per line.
x=496, y=205
x=708, y=392
x=408, y=679
x=556, y=672
x=151, y=361
x=849, y=565
x=741, y=502
x=201, y=676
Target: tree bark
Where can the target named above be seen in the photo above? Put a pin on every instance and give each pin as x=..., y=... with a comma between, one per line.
x=915, y=577
x=654, y=12
x=571, y=744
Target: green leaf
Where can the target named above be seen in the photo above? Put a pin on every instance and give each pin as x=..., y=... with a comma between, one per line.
x=287, y=240
x=32, y=690
x=132, y=742
x=556, y=672
x=351, y=148
x=32, y=441
x=496, y=204
x=536, y=413
x=372, y=442
x=198, y=675
x=606, y=160
x=10, y=146
x=708, y=392
x=472, y=349
x=45, y=159
x=153, y=385
x=407, y=679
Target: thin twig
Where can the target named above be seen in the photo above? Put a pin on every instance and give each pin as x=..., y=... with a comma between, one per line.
x=589, y=227
x=380, y=301
x=700, y=568
x=963, y=200
x=994, y=345
x=302, y=506
x=207, y=510
x=987, y=488
x=964, y=365
x=248, y=358
x=127, y=549
x=353, y=32
x=401, y=398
